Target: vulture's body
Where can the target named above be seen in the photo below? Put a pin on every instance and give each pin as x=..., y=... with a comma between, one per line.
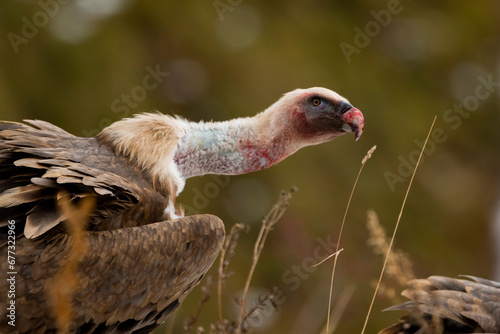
x=142, y=258
x=441, y=305
x=138, y=267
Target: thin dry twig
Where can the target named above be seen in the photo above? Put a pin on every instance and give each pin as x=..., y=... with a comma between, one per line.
x=397, y=225
x=261, y=303
x=268, y=223
x=229, y=246
x=337, y=251
x=328, y=257
x=339, y=308
x=190, y=322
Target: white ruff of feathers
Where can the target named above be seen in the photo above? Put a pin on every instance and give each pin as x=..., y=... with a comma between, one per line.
x=172, y=149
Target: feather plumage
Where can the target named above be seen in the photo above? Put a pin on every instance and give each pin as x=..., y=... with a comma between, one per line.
x=139, y=263
x=448, y=305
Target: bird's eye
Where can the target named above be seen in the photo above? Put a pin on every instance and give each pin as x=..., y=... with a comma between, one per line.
x=316, y=101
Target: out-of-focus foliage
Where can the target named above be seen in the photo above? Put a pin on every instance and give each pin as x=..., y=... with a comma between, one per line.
x=84, y=64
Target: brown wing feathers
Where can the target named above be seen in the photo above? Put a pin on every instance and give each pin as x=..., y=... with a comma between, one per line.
x=122, y=286
x=447, y=305
x=37, y=163
x=138, y=268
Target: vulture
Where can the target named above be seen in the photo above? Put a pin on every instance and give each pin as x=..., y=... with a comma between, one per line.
x=142, y=256
x=448, y=305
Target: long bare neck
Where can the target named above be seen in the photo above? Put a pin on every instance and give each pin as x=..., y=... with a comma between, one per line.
x=234, y=147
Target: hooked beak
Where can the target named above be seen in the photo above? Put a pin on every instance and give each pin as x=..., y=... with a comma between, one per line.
x=354, y=122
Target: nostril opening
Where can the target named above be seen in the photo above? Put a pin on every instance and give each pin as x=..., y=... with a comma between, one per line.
x=343, y=107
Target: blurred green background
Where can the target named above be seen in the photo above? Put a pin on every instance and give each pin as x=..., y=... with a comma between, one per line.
x=82, y=65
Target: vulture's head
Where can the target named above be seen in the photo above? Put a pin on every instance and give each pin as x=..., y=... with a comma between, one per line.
x=317, y=115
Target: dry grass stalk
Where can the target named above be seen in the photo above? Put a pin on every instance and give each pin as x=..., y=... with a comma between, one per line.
x=398, y=264
x=328, y=257
x=223, y=326
x=260, y=305
x=339, y=308
x=229, y=247
x=268, y=223
x=397, y=225
x=337, y=250
x=64, y=283
x=387, y=291
x=206, y=293
x=227, y=253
